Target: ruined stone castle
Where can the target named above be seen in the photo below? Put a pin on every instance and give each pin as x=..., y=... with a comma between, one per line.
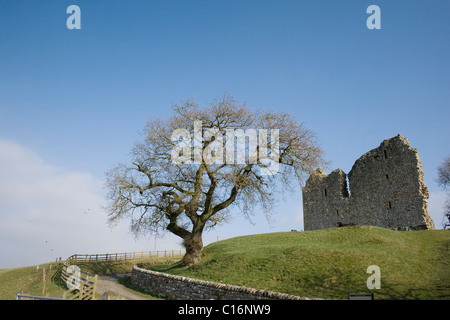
x=385, y=188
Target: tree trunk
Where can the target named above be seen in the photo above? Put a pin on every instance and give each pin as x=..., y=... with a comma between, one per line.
x=193, y=245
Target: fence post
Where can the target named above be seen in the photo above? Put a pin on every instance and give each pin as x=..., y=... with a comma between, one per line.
x=94, y=286
x=43, y=281
x=81, y=288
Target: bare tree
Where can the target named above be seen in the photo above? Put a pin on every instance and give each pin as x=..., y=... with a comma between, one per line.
x=444, y=173
x=184, y=177
x=444, y=181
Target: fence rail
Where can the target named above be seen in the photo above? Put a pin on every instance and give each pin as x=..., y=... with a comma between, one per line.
x=86, y=283
x=86, y=258
x=81, y=285
x=21, y=296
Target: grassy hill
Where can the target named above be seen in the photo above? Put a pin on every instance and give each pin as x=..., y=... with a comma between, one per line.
x=330, y=263
x=325, y=263
x=30, y=279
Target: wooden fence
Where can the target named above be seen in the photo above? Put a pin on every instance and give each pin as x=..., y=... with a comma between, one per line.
x=84, y=283
x=80, y=283
x=86, y=258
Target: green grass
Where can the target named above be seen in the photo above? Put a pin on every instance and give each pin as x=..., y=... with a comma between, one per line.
x=30, y=280
x=326, y=264
x=120, y=266
x=330, y=263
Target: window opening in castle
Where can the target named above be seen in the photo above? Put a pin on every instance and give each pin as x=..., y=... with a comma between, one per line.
x=325, y=192
x=385, y=154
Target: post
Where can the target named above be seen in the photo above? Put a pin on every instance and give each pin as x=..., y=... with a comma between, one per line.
x=43, y=281
x=87, y=286
x=81, y=288
x=94, y=286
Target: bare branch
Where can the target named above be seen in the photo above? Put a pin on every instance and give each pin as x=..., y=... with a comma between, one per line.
x=187, y=197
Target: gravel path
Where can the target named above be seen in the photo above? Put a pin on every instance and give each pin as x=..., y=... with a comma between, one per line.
x=109, y=284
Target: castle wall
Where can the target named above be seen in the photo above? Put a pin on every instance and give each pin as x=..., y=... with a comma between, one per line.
x=385, y=189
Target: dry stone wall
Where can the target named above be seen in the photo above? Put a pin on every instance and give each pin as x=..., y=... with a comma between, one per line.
x=385, y=188
x=183, y=288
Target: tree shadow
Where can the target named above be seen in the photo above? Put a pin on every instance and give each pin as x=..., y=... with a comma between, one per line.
x=126, y=282
x=166, y=268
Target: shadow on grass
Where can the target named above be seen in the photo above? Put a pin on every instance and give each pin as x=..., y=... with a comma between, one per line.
x=126, y=282
x=171, y=268
x=56, y=278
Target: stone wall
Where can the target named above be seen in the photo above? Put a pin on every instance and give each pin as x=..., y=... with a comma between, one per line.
x=385, y=188
x=183, y=288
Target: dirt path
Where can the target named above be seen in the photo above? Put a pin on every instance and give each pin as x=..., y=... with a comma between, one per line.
x=109, y=284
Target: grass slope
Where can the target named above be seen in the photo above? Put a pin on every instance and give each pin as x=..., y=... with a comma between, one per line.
x=330, y=263
x=30, y=279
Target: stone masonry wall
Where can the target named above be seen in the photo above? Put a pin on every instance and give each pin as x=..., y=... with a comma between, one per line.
x=183, y=288
x=385, y=188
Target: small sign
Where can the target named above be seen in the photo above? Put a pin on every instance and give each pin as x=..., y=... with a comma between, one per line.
x=361, y=296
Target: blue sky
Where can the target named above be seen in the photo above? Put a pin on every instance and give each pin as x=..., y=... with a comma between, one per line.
x=72, y=102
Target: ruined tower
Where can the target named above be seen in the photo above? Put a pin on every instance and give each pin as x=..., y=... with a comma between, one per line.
x=385, y=188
